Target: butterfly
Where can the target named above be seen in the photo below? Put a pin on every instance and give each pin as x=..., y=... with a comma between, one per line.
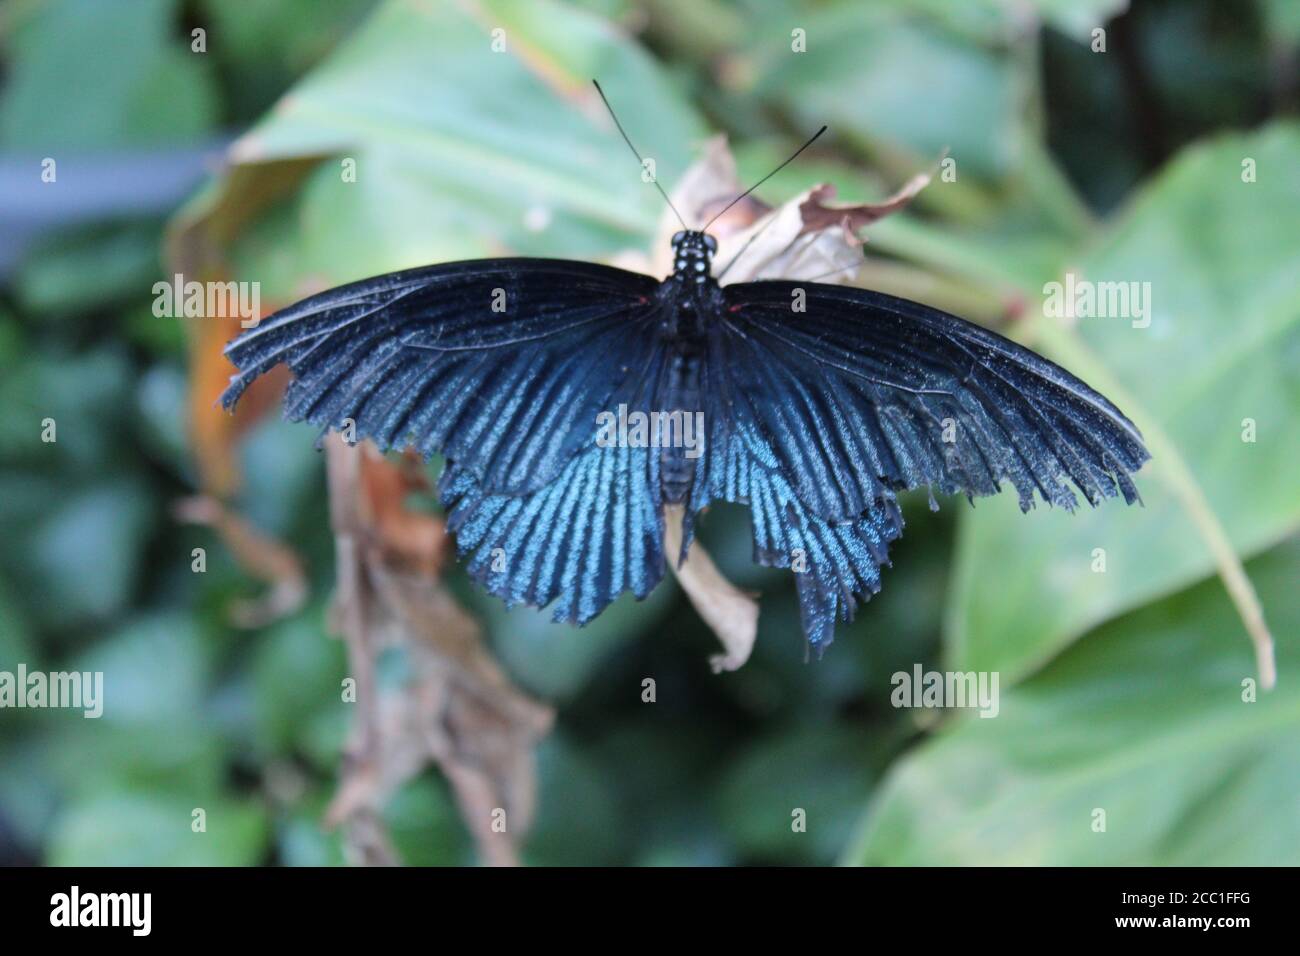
x=580, y=406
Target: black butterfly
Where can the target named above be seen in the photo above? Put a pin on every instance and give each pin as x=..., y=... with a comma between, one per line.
x=819, y=403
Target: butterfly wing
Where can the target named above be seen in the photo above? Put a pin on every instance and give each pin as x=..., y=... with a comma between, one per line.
x=580, y=541
x=901, y=395
x=500, y=364
x=836, y=562
x=825, y=400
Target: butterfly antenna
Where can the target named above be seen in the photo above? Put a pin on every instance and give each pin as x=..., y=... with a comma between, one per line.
x=745, y=248
x=851, y=265
x=764, y=179
x=653, y=178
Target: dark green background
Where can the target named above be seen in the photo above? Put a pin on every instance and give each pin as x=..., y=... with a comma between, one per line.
x=1120, y=690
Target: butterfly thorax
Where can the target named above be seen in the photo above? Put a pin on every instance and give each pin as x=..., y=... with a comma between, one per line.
x=690, y=295
x=693, y=255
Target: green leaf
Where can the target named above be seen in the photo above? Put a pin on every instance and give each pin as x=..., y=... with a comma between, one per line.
x=993, y=20
x=87, y=269
x=896, y=80
x=96, y=75
x=556, y=661
x=138, y=829
x=162, y=423
x=262, y=47
x=1078, y=18
x=152, y=733
x=578, y=820
x=156, y=736
x=155, y=669
x=88, y=397
x=281, y=455
x=1222, y=347
x=425, y=828
x=1144, y=720
x=523, y=158
x=16, y=643
x=301, y=839
x=297, y=674
x=659, y=765
x=1283, y=19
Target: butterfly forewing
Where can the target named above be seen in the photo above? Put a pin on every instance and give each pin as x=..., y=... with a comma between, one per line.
x=501, y=365
x=890, y=392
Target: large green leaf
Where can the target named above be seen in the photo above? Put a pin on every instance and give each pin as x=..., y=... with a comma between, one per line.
x=895, y=79
x=1223, y=346
x=1144, y=719
x=460, y=151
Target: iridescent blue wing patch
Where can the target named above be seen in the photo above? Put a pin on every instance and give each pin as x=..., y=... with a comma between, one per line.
x=580, y=541
x=836, y=562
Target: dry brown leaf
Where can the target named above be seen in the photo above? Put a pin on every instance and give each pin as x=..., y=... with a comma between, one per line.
x=729, y=611
x=260, y=554
x=412, y=539
x=458, y=711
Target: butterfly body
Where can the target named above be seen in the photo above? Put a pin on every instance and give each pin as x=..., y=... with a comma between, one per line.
x=689, y=297
x=813, y=405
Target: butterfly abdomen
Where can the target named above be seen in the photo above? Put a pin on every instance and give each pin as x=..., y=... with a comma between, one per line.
x=682, y=438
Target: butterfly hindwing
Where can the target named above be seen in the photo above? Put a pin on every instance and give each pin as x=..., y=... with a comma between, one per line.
x=580, y=541
x=835, y=563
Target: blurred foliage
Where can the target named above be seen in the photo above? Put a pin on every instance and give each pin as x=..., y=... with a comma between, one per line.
x=1119, y=690
x=1144, y=720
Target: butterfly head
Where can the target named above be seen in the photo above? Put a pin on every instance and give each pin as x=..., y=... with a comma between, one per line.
x=693, y=255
